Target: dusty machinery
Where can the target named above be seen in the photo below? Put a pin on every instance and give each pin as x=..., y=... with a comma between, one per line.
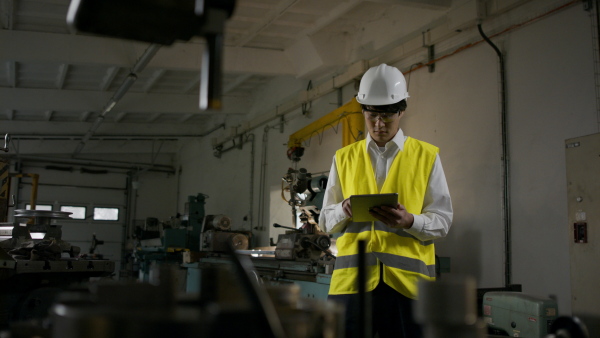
x=306, y=195
x=217, y=235
x=301, y=256
x=191, y=233
x=165, y=242
x=33, y=271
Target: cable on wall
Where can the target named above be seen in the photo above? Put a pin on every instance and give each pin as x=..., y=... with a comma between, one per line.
x=505, y=164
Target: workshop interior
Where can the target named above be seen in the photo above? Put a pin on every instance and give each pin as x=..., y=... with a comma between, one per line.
x=164, y=163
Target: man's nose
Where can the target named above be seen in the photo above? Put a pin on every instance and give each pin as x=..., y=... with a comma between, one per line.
x=379, y=122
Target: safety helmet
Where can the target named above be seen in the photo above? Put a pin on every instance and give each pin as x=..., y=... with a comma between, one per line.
x=382, y=85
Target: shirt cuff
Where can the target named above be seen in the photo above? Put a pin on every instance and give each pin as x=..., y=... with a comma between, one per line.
x=339, y=218
x=418, y=225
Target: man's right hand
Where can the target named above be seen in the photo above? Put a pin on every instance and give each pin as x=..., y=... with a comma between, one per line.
x=347, y=207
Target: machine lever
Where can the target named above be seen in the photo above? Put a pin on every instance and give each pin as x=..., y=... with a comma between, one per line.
x=275, y=225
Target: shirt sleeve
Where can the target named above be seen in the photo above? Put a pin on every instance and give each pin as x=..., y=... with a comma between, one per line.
x=436, y=217
x=333, y=218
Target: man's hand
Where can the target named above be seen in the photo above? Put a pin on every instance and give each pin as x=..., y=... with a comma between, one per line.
x=396, y=217
x=347, y=207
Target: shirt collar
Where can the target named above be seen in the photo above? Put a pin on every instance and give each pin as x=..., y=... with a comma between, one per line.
x=398, y=139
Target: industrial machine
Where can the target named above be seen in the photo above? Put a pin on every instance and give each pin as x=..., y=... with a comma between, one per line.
x=34, y=270
x=165, y=242
x=518, y=315
x=230, y=303
x=193, y=232
x=217, y=235
x=306, y=195
x=302, y=255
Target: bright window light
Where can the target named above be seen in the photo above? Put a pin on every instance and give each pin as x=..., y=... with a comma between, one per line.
x=106, y=214
x=77, y=212
x=47, y=207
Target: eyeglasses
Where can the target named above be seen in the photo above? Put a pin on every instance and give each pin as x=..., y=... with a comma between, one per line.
x=385, y=117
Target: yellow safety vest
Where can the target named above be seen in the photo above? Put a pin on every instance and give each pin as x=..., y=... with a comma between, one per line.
x=405, y=259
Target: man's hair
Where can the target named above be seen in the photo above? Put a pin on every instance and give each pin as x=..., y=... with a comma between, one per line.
x=387, y=108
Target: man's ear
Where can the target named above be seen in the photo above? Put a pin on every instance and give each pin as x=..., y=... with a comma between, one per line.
x=401, y=114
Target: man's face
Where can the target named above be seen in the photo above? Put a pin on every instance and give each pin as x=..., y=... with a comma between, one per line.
x=382, y=132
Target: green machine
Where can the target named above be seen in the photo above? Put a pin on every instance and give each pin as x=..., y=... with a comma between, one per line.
x=518, y=315
x=164, y=243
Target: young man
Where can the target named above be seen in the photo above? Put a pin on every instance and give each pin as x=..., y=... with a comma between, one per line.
x=399, y=246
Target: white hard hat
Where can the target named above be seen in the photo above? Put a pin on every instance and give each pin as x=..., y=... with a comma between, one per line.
x=382, y=85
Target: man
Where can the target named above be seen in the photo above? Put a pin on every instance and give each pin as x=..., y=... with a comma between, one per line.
x=399, y=246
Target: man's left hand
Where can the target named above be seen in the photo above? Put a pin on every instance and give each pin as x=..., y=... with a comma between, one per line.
x=396, y=217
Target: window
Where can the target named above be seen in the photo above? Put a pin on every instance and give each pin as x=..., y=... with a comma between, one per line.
x=47, y=207
x=77, y=212
x=106, y=214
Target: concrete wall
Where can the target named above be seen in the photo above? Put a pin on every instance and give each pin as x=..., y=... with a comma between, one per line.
x=551, y=98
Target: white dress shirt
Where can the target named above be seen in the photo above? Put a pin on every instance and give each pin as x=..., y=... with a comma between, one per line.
x=436, y=217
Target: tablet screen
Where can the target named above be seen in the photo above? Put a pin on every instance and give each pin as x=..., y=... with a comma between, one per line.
x=361, y=204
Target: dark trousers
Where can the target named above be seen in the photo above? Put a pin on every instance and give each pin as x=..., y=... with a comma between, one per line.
x=392, y=314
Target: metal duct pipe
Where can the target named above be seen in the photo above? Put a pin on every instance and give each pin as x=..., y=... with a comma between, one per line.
x=140, y=64
x=129, y=137
x=97, y=163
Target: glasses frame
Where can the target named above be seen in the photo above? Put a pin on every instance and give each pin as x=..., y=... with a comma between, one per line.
x=386, y=117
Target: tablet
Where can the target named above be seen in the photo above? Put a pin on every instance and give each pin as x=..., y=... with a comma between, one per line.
x=361, y=204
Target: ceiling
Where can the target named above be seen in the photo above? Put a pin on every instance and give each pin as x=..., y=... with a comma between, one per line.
x=57, y=82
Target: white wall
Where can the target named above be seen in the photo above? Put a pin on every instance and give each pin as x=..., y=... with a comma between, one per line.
x=551, y=98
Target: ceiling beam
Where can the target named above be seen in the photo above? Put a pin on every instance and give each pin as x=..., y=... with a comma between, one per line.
x=236, y=82
x=185, y=118
x=11, y=73
x=63, y=69
x=108, y=78
x=266, y=21
x=8, y=10
x=153, y=117
x=82, y=101
x=330, y=17
x=156, y=75
x=429, y=4
x=38, y=47
x=120, y=116
x=84, y=116
x=191, y=85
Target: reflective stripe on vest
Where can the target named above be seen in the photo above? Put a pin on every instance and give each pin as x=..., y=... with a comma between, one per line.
x=406, y=259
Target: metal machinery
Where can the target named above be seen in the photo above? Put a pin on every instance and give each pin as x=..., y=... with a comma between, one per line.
x=229, y=303
x=34, y=271
x=217, y=235
x=190, y=234
x=302, y=256
x=306, y=193
x=165, y=242
x=519, y=315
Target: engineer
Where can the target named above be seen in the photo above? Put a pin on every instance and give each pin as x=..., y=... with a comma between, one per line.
x=400, y=249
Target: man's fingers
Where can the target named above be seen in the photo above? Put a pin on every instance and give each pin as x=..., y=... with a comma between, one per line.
x=347, y=207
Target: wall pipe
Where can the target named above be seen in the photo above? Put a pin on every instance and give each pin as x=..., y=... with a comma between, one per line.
x=117, y=137
x=97, y=163
x=261, y=184
x=505, y=164
x=251, y=193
